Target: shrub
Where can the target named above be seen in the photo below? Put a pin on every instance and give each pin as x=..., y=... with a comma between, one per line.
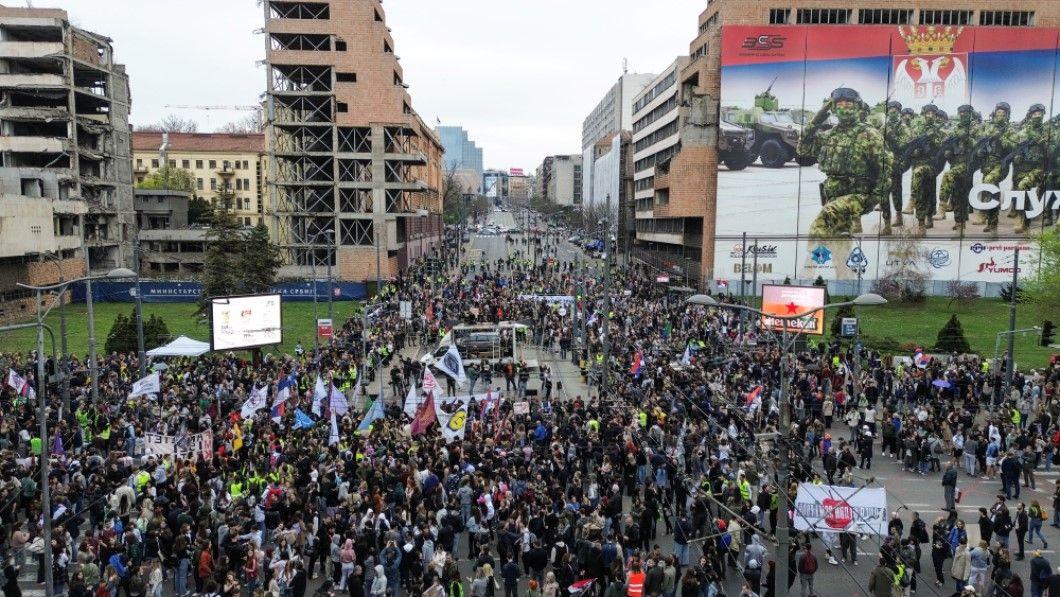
x=962, y=292
x=951, y=337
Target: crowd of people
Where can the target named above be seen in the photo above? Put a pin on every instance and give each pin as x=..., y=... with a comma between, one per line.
x=662, y=483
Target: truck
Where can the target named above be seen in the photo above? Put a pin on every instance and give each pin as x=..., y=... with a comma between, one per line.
x=734, y=145
x=495, y=343
x=776, y=130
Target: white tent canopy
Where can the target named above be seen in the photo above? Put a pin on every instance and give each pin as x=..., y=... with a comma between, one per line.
x=181, y=347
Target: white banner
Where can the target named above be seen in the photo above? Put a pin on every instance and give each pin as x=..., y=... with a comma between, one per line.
x=151, y=384
x=452, y=416
x=184, y=446
x=830, y=508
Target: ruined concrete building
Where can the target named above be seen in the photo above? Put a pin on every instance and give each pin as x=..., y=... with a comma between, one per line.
x=352, y=167
x=65, y=170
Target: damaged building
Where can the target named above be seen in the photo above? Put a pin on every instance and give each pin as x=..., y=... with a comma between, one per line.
x=65, y=169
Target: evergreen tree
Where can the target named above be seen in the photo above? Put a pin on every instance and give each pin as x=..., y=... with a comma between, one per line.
x=258, y=261
x=224, y=248
x=951, y=337
x=837, y=320
x=156, y=332
x=122, y=335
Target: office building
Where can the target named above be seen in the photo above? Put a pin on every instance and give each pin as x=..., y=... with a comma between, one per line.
x=354, y=173
x=613, y=114
x=561, y=179
x=461, y=153
x=65, y=174
x=232, y=165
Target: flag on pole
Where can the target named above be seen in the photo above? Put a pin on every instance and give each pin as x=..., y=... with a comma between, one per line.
x=581, y=586
x=424, y=416
x=452, y=417
x=452, y=365
x=638, y=361
x=17, y=382
x=237, y=439
x=319, y=394
x=920, y=359
x=488, y=404
x=412, y=401
x=283, y=392
x=333, y=436
x=151, y=384
x=255, y=402
x=375, y=412
x=302, y=420
x=338, y=402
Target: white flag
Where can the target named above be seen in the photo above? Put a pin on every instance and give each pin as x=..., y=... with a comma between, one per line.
x=452, y=365
x=151, y=384
x=452, y=416
x=255, y=402
x=686, y=359
x=412, y=401
x=319, y=394
x=16, y=381
x=338, y=401
x=333, y=437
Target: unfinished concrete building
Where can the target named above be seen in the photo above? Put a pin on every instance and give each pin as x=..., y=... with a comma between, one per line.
x=65, y=170
x=352, y=168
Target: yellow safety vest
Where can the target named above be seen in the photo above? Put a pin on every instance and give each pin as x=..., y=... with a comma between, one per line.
x=235, y=490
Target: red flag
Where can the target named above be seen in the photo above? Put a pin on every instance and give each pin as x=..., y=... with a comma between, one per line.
x=754, y=394
x=424, y=416
x=638, y=360
x=430, y=312
x=580, y=586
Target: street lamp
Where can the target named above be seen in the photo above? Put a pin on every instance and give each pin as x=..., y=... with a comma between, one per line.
x=784, y=428
x=42, y=403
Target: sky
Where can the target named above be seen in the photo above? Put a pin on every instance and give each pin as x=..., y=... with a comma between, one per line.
x=519, y=75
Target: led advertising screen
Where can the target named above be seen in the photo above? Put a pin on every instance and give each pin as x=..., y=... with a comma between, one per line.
x=238, y=322
x=862, y=150
x=786, y=301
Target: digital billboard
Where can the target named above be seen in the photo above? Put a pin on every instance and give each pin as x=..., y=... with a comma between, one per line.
x=238, y=322
x=786, y=301
x=875, y=146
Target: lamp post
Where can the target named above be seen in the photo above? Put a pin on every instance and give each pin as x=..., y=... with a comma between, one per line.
x=42, y=408
x=784, y=428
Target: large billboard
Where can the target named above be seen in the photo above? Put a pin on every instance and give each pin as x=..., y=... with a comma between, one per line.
x=787, y=301
x=238, y=322
x=865, y=148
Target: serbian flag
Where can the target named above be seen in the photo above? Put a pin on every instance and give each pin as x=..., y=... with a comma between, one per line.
x=283, y=392
x=580, y=586
x=920, y=359
x=753, y=395
x=638, y=360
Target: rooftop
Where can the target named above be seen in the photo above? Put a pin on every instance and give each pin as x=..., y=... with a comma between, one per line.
x=205, y=142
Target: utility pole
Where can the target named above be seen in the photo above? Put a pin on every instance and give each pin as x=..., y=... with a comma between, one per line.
x=42, y=421
x=331, y=293
x=754, y=272
x=379, y=290
x=743, y=280
x=607, y=300
x=141, y=357
x=1011, y=361
x=783, y=470
x=93, y=367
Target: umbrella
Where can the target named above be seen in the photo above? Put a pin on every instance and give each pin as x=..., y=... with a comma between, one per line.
x=941, y=383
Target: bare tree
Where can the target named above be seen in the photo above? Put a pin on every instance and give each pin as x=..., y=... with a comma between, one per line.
x=171, y=124
x=249, y=124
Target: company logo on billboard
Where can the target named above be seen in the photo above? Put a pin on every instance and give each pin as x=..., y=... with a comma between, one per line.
x=978, y=248
x=763, y=251
x=939, y=258
x=762, y=268
x=931, y=71
x=858, y=261
x=764, y=42
x=821, y=255
x=992, y=267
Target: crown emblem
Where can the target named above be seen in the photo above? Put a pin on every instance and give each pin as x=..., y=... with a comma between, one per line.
x=930, y=40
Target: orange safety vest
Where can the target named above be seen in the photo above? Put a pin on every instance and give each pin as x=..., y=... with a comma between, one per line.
x=636, y=584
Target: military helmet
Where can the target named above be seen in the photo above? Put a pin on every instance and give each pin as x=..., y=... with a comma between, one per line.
x=1036, y=108
x=908, y=112
x=942, y=114
x=1003, y=106
x=845, y=94
x=894, y=104
x=929, y=109
x=966, y=109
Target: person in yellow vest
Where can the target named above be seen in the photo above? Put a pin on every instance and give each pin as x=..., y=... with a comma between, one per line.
x=745, y=487
x=35, y=446
x=1016, y=416
x=142, y=479
x=642, y=419
x=235, y=490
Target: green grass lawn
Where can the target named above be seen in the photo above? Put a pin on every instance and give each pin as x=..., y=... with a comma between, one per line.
x=981, y=320
x=298, y=324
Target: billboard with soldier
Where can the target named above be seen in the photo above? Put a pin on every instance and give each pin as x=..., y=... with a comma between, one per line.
x=871, y=139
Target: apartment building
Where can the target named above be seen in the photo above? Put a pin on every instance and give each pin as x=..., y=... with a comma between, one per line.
x=230, y=165
x=677, y=169
x=170, y=247
x=65, y=174
x=612, y=114
x=561, y=179
x=354, y=173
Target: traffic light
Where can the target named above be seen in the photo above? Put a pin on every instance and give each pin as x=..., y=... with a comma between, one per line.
x=1048, y=331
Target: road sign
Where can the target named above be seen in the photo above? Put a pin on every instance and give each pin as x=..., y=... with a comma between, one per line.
x=848, y=327
x=406, y=309
x=324, y=328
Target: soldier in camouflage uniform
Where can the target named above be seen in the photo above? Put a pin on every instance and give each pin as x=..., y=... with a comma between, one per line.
x=1029, y=157
x=997, y=140
x=895, y=135
x=921, y=152
x=957, y=150
x=853, y=157
x=1052, y=178
x=909, y=122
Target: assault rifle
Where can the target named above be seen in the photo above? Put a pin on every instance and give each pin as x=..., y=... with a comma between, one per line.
x=917, y=146
x=1019, y=152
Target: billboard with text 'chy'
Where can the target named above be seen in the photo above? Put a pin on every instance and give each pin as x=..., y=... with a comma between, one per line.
x=865, y=146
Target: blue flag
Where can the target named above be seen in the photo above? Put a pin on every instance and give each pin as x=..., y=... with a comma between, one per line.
x=374, y=413
x=302, y=420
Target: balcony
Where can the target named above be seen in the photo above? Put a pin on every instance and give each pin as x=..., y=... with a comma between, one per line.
x=226, y=171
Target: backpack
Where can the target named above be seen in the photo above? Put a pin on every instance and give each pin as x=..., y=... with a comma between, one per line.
x=808, y=564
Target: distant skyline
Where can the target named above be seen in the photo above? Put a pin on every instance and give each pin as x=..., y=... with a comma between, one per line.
x=519, y=77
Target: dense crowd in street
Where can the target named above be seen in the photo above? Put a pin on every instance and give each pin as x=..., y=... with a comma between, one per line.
x=665, y=484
